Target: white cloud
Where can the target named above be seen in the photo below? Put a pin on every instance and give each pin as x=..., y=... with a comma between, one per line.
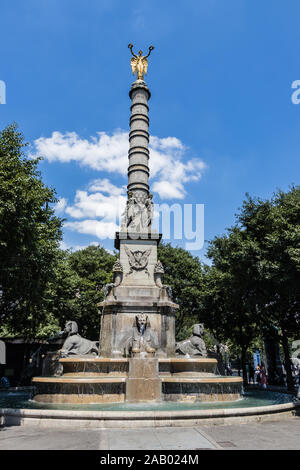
x=98, y=228
x=103, y=152
x=169, y=166
x=168, y=190
x=83, y=247
x=107, y=187
x=60, y=205
x=65, y=246
x=102, y=199
x=170, y=170
x=166, y=143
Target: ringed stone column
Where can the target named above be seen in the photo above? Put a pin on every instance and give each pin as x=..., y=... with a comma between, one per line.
x=138, y=287
x=138, y=170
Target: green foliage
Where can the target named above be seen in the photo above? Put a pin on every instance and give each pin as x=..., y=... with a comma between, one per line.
x=254, y=280
x=184, y=273
x=78, y=287
x=274, y=227
x=29, y=236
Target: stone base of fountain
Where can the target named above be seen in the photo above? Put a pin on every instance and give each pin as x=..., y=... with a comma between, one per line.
x=112, y=380
x=143, y=383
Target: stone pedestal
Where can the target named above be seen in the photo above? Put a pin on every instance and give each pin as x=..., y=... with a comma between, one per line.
x=143, y=383
x=119, y=318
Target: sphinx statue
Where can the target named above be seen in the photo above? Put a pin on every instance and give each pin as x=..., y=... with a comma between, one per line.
x=194, y=345
x=75, y=345
x=144, y=339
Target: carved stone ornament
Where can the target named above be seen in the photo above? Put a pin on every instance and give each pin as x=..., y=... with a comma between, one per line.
x=138, y=260
x=143, y=337
x=75, y=344
x=117, y=267
x=195, y=345
x=138, y=213
x=158, y=268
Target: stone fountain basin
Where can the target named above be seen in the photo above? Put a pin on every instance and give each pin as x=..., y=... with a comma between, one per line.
x=251, y=408
x=77, y=366
x=105, y=380
x=113, y=389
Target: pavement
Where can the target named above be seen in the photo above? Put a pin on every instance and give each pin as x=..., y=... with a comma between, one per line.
x=272, y=435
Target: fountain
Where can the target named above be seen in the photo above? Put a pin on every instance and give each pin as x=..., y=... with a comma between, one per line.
x=137, y=362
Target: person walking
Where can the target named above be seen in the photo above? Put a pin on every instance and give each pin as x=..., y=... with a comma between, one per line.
x=257, y=374
x=263, y=375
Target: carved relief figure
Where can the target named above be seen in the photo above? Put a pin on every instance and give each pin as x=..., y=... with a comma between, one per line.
x=144, y=339
x=118, y=275
x=139, y=63
x=193, y=346
x=138, y=260
x=138, y=213
x=159, y=271
x=75, y=344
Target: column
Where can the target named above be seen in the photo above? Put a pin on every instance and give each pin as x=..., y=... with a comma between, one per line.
x=138, y=170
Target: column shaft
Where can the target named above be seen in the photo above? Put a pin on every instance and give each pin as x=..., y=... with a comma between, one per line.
x=138, y=169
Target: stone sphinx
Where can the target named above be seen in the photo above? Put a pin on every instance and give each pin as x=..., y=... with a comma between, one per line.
x=75, y=345
x=144, y=339
x=193, y=346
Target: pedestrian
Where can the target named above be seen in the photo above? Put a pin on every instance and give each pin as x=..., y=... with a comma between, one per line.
x=263, y=375
x=257, y=374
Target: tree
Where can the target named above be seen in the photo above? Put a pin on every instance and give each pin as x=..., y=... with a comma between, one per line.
x=184, y=273
x=256, y=270
x=230, y=292
x=275, y=228
x=29, y=236
x=77, y=288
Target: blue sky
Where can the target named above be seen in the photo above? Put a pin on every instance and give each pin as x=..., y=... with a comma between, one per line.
x=220, y=111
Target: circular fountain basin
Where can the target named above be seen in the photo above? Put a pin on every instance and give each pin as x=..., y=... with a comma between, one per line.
x=103, y=366
x=79, y=389
x=113, y=389
x=105, y=380
x=99, y=366
x=18, y=409
x=192, y=367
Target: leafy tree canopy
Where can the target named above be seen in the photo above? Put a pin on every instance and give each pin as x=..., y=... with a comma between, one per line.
x=184, y=273
x=29, y=235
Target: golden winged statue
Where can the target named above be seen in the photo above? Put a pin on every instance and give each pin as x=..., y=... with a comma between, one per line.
x=139, y=63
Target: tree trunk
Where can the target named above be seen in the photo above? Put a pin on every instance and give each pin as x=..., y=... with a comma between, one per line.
x=287, y=363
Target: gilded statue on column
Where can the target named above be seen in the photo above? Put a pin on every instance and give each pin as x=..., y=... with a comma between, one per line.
x=139, y=63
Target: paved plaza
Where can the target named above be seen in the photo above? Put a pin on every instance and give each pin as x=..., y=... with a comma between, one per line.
x=273, y=435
